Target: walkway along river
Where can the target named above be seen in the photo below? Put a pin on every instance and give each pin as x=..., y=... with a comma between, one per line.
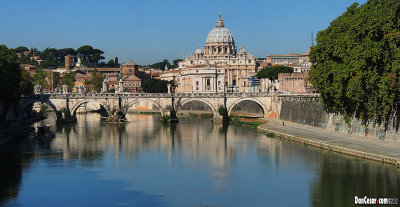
x=193, y=163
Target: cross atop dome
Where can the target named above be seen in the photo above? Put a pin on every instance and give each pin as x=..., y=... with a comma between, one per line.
x=220, y=23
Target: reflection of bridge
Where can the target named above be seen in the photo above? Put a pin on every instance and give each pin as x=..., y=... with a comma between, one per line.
x=113, y=102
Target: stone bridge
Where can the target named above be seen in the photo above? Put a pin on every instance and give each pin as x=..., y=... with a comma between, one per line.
x=114, y=102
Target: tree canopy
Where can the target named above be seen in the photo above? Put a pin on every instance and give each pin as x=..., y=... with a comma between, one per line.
x=10, y=75
x=155, y=85
x=14, y=80
x=356, y=63
x=69, y=79
x=95, y=82
x=273, y=71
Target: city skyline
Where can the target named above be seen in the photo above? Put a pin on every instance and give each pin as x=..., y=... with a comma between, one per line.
x=151, y=31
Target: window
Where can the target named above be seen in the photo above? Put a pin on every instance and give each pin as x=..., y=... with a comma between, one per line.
x=197, y=83
x=130, y=70
x=133, y=84
x=129, y=84
x=138, y=84
x=208, y=82
x=234, y=82
x=244, y=83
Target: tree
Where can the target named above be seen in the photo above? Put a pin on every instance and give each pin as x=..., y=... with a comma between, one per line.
x=10, y=76
x=160, y=65
x=85, y=51
x=66, y=51
x=111, y=63
x=272, y=72
x=175, y=63
x=95, y=82
x=96, y=56
x=26, y=84
x=21, y=49
x=14, y=80
x=155, y=86
x=39, y=78
x=116, y=62
x=69, y=79
x=356, y=63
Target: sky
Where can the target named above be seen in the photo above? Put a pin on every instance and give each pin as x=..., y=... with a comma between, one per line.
x=149, y=31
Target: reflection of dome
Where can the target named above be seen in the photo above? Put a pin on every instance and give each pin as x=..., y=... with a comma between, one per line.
x=220, y=33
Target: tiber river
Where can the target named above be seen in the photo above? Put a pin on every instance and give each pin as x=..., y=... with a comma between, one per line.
x=194, y=163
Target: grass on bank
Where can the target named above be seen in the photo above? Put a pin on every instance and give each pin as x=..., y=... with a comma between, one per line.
x=244, y=121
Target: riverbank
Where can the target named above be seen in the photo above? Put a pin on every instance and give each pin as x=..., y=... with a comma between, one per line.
x=364, y=147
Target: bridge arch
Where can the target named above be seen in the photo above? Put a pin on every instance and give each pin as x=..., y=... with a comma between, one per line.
x=80, y=103
x=22, y=107
x=263, y=107
x=213, y=109
x=131, y=103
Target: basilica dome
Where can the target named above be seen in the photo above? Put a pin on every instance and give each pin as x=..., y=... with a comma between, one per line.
x=220, y=34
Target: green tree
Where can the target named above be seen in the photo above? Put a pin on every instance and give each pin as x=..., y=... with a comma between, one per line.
x=111, y=63
x=356, y=63
x=21, y=49
x=26, y=84
x=175, y=63
x=85, y=52
x=68, y=79
x=155, y=86
x=10, y=75
x=160, y=65
x=61, y=53
x=116, y=62
x=273, y=71
x=95, y=82
x=14, y=80
x=39, y=78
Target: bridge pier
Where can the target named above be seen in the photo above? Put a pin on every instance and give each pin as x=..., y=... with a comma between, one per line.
x=116, y=116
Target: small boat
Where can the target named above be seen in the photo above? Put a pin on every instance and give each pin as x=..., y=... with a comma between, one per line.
x=45, y=132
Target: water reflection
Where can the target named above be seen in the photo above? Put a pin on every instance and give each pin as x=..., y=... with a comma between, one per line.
x=195, y=162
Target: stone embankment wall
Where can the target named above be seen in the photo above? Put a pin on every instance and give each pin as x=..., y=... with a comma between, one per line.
x=310, y=111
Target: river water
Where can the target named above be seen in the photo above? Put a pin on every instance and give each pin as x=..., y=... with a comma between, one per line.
x=194, y=163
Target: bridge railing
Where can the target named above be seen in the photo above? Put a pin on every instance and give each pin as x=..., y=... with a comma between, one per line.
x=160, y=95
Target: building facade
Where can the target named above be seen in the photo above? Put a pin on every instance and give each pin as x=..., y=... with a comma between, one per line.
x=201, y=80
x=220, y=52
x=294, y=83
x=130, y=75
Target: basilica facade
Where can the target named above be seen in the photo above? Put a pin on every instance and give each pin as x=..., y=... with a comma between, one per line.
x=235, y=68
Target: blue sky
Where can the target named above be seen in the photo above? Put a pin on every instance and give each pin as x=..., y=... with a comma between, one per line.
x=149, y=31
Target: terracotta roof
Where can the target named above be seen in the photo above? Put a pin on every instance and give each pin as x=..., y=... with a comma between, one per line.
x=288, y=54
x=26, y=65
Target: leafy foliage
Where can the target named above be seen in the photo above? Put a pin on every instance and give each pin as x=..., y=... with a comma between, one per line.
x=69, y=79
x=14, y=80
x=161, y=65
x=26, y=83
x=155, y=86
x=10, y=76
x=95, y=82
x=21, y=49
x=273, y=71
x=356, y=63
x=39, y=78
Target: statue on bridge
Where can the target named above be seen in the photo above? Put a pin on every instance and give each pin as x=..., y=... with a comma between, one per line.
x=104, y=88
x=38, y=89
